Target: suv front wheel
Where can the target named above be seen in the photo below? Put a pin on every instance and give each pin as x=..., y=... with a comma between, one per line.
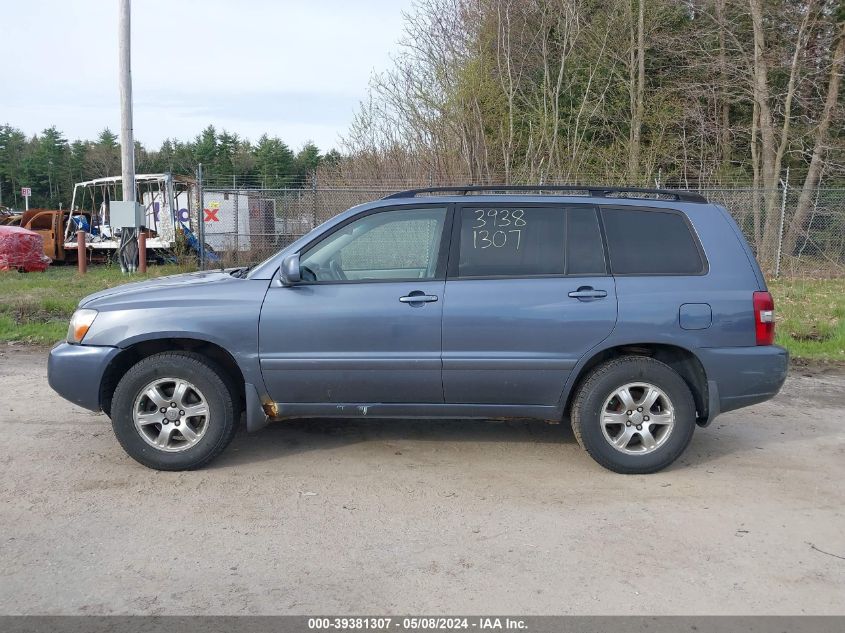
x=634, y=415
x=174, y=411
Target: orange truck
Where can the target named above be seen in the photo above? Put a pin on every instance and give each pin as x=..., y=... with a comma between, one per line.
x=50, y=224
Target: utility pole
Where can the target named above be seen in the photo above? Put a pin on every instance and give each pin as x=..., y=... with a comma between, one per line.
x=127, y=143
x=128, y=252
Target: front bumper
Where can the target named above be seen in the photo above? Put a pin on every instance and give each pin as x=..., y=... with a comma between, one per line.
x=741, y=376
x=75, y=372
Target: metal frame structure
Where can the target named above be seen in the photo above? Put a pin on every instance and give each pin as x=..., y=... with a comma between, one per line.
x=159, y=188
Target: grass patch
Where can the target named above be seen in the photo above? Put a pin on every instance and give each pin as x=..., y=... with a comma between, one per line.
x=36, y=307
x=810, y=317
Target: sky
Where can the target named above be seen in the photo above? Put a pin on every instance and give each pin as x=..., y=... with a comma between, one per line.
x=296, y=70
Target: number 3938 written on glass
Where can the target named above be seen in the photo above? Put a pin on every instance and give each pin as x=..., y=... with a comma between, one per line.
x=498, y=228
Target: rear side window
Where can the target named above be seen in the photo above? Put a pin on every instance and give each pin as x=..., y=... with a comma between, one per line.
x=650, y=243
x=584, y=250
x=529, y=241
x=511, y=241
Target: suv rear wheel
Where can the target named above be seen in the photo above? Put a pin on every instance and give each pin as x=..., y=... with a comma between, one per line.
x=174, y=411
x=634, y=415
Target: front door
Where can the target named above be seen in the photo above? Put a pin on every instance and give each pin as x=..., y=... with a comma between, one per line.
x=527, y=295
x=364, y=326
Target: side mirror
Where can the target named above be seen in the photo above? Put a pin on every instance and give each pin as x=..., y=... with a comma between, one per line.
x=290, y=271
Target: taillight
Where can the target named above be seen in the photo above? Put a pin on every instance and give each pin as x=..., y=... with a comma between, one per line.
x=764, y=318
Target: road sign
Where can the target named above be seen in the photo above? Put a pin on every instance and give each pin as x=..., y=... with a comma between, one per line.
x=26, y=192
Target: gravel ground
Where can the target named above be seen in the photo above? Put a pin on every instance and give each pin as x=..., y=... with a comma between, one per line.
x=410, y=517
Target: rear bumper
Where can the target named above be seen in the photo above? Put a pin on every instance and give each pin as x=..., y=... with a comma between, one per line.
x=741, y=376
x=75, y=372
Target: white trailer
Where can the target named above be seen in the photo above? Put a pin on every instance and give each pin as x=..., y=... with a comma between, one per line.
x=239, y=220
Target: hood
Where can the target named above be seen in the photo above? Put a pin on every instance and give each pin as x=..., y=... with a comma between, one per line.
x=140, y=287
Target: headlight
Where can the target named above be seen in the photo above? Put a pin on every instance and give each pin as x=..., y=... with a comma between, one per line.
x=80, y=322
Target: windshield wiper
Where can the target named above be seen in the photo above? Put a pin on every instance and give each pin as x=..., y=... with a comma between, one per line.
x=241, y=272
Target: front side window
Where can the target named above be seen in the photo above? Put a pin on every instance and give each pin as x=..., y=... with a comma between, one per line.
x=652, y=242
x=398, y=244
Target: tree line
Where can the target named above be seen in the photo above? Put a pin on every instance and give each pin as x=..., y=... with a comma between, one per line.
x=50, y=165
x=639, y=92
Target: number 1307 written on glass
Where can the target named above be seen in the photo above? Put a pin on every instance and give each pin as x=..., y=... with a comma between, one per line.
x=498, y=228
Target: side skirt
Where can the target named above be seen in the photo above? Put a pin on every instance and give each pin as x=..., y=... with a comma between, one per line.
x=287, y=411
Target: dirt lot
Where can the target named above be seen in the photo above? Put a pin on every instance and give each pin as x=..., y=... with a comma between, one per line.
x=412, y=517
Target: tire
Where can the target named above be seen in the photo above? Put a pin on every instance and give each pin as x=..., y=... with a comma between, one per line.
x=600, y=417
x=198, y=439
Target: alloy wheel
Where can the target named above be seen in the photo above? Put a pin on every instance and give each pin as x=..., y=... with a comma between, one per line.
x=171, y=414
x=637, y=418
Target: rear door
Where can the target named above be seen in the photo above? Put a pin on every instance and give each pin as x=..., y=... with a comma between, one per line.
x=527, y=294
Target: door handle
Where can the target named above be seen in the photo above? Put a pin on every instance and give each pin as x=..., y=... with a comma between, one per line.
x=418, y=296
x=587, y=292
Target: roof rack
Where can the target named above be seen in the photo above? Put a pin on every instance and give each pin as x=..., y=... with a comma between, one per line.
x=598, y=192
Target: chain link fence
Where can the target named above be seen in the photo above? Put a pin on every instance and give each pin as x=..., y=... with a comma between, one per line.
x=789, y=236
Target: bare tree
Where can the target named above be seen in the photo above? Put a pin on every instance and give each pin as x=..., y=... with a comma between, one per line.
x=636, y=71
x=774, y=136
x=820, y=143
x=724, y=103
x=547, y=90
